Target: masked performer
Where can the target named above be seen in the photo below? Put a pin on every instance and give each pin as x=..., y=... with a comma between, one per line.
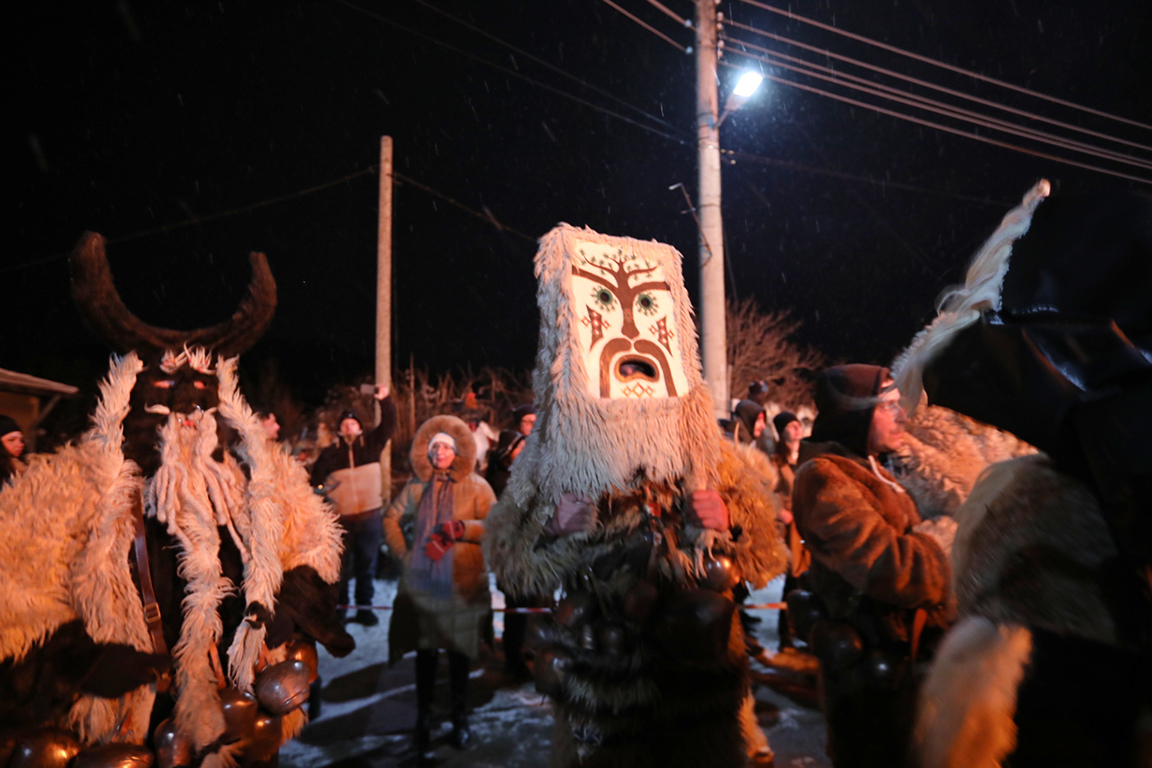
x=627, y=497
x=146, y=576
x=1050, y=338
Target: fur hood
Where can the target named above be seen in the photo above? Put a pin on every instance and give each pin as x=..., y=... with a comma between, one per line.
x=465, y=460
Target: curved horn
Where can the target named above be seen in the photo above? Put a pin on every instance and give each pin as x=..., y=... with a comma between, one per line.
x=100, y=304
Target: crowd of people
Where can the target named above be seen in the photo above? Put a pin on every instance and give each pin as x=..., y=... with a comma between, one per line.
x=941, y=640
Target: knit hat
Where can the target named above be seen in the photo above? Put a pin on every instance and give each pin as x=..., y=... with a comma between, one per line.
x=781, y=420
x=520, y=411
x=846, y=398
x=746, y=413
x=442, y=437
x=8, y=425
x=349, y=414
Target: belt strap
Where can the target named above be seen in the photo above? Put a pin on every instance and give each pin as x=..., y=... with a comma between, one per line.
x=918, y=622
x=147, y=593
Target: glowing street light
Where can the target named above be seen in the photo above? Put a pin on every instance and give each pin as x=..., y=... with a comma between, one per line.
x=746, y=86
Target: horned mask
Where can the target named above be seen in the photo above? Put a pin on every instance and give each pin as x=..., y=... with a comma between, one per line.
x=617, y=379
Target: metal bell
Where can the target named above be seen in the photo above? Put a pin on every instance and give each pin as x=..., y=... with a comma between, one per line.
x=575, y=609
x=172, y=749
x=839, y=647
x=720, y=573
x=45, y=748
x=804, y=610
x=265, y=740
x=305, y=652
x=613, y=640
x=114, y=755
x=239, y=714
x=282, y=687
x=696, y=624
x=640, y=600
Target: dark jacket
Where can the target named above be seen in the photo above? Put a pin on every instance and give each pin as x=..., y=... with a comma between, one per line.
x=366, y=448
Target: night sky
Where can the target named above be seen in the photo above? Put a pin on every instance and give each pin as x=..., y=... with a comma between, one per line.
x=132, y=116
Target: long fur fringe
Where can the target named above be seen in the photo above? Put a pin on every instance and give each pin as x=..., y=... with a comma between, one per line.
x=968, y=701
x=961, y=306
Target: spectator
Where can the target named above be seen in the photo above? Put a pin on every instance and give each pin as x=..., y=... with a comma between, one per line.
x=758, y=392
x=483, y=434
x=748, y=421
x=784, y=457
x=11, y=449
x=524, y=418
x=270, y=424
x=443, y=599
x=881, y=574
x=500, y=459
x=350, y=470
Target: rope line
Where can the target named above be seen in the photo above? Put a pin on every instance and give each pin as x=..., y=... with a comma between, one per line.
x=753, y=607
x=938, y=63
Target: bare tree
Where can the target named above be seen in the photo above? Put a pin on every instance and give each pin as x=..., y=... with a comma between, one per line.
x=760, y=348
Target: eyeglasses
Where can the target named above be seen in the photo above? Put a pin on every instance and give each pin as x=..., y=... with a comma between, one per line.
x=892, y=406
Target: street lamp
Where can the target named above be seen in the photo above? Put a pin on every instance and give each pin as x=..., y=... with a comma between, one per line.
x=746, y=86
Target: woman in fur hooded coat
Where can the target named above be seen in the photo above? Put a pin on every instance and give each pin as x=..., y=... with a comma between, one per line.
x=443, y=599
x=628, y=498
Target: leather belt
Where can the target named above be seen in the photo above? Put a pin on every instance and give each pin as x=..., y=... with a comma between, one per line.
x=147, y=593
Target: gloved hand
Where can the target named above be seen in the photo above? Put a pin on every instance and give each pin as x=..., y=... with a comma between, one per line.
x=574, y=514
x=453, y=530
x=710, y=509
x=942, y=530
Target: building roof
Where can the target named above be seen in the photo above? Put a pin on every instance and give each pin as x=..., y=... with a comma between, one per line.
x=11, y=381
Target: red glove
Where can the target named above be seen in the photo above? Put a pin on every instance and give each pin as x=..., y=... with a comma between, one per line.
x=453, y=530
x=710, y=509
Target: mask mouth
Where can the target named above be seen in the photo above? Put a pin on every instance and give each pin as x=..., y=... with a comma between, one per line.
x=633, y=367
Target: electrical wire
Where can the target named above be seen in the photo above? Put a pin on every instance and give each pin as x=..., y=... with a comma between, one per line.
x=932, y=105
x=950, y=67
x=881, y=183
x=946, y=128
x=510, y=72
x=670, y=13
x=552, y=67
x=372, y=169
x=927, y=84
x=649, y=27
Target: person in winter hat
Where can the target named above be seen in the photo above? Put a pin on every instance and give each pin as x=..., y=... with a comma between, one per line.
x=881, y=575
x=11, y=449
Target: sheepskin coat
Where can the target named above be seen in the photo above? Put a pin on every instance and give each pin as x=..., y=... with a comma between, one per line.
x=858, y=528
x=1044, y=667
x=454, y=623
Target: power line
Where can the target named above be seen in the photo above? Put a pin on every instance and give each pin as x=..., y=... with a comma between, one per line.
x=649, y=27
x=948, y=129
x=670, y=13
x=950, y=67
x=927, y=84
x=510, y=72
x=543, y=63
x=881, y=183
x=372, y=169
x=921, y=102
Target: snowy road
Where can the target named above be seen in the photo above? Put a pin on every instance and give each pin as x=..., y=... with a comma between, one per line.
x=368, y=710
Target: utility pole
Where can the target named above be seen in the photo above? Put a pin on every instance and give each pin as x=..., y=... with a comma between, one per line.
x=384, y=298
x=713, y=338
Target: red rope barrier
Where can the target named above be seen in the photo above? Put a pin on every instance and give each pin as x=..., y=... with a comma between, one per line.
x=754, y=607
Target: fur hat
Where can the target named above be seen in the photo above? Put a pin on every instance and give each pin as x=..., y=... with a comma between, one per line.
x=846, y=397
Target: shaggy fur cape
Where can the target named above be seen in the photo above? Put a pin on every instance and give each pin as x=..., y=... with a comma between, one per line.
x=1032, y=553
x=66, y=530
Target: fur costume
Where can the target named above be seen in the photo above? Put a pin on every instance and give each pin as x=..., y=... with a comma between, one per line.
x=1051, y=338
x=625, y=421
x=226, y=541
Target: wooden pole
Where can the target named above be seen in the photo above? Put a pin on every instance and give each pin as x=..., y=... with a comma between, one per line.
x=384, y=296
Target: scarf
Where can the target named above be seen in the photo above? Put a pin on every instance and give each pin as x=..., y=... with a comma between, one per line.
x=433, y=577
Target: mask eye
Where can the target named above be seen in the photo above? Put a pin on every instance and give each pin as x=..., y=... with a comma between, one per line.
x=199, y=385
x=164, y=384
x=604, y=298
x=646, y=303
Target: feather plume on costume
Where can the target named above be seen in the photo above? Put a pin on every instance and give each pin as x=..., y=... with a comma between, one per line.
x=961, y=306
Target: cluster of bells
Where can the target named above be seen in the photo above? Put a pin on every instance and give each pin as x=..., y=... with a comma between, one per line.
x=838, y=644
x=598, y=630
x=254, y=720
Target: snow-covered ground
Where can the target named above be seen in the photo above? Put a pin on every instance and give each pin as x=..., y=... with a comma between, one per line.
x=368, y=709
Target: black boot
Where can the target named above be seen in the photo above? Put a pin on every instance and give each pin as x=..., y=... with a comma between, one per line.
x=458, y=668
x=425, y=687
